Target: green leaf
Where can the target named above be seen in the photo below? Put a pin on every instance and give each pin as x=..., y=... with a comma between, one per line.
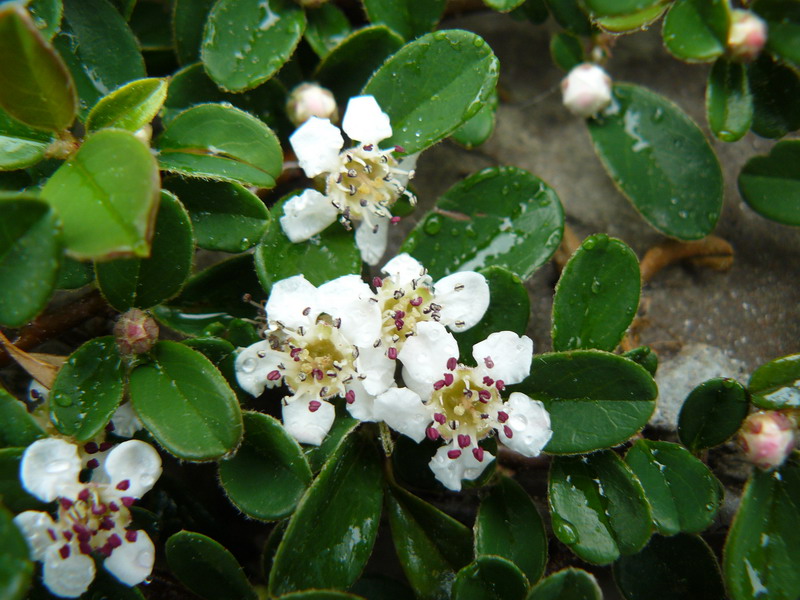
x=246, y=42
x=35, y=85
x=683, y=493
x=107, y=197
x=509, y=525
x=671, y=568
x=598, y=507
x=644, y=356
x=130, y=107
x=632, y=22
x=73, y=274
x=270, y=456
x=774, y=385
x=221, y=142
x=46, y=15
x=501, y=216
x=30, y=254
x=570, y=15
x=712, y=413
x=15, y=497
x=327, y=27
x=326, y=256
x=480, y=127
x=99, y=48
x=729, y=104
x=188, y=21
x=336, y=523
x=150, y=23
x=409, y=18
x=431, y=545
x=185, y=403
x=16, y=569
x=566, y=50
x=88, y=389
x=771, y=184
x=321, y=595
x=697, y=30
x=490, y=578
x=660, y=160
x=503, y=5
x=433, y=85
x=595, y=399
x=597, y=295
x=764, y=541
x=610, y=8
x=569, y=584
x=534, y=11
x=225, y=216
x=17, y=427
x=21, y=146
x=344, y=424
x=783, y=23
x=207, y=568
x=775, y=90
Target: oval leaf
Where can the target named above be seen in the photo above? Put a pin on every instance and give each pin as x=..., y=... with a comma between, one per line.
x=783, y=22
x=46, y=15
x=569, y=584
x=570, y=15
x=17, y=427
x=21, y=146
x=409, y=18
x=775, y=88
x=697, y=30
x=16, y=568
x=632, y=22
x=185, y=403
x=610, y=8
x=729, y=104
x=490, y=578
x=712, y=413
x=327, y=26
x=661, y=161
x=188, y=21
x=771, y=184
x=130, y=107
x=479, y=128
x=775, y=385
x=567, y=51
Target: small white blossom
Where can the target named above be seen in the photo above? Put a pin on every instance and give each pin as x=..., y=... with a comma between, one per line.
x=586, y=90
x=747, y=35
x=362, y=182
x=91, y=517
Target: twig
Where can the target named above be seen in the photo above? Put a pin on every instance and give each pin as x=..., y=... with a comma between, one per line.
x=712, y=252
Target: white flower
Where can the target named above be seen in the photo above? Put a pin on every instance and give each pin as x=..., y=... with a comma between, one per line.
x=320, y=344
x=747, y=35
x=463, y=405
x=361, y=182
x=586, y=90
x=124, y=421
x=91, y=517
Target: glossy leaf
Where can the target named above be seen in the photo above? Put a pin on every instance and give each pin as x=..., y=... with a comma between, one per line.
x=130, y=107
x=88, y=389
x=479, y=128
x=327, y=27
x=107, y=197
x=270, y=456
x=503, y=5
x=771, y=184
x=16, y=568
x=606, y=8
x=221, y=142
x=632, y=22
x=222, y=355
x=671, y=568
x=17, y=427
x=30, y=253
x=775, y=89
x=566, y=50
x=433, y=85
x=225, y=216
x=569, y=584
x=660, y=160
x=46, y=15
x=501, y=216
x=431, y=545
x=35, y=85
x=774, y=385
x=207, y=568
x=73, y=274
x=185, y=403
x=697, y=30
x=21, y=146
x=135, y=282
x=509, y=525
x=683, y=493
x=597, y=295
x=712, y=413
x=595, y=399
x=409, y=18
x=644, y=356
x=729, y=104
x=490, y=578
x=570, y=15
x=783, y=23
x=598, y=507
x=188, y=21
x=247, y=41
x=336, y=523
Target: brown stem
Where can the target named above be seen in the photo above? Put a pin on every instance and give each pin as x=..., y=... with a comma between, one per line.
x=712, y=252
x=569, y=243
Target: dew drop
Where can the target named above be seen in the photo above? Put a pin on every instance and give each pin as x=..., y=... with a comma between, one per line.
x=433, y=225
x=249, y=365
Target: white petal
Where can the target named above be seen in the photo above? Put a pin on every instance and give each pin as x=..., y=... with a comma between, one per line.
x=317, y=144
x=450, y=471
x=403, y=410
x=403, y=269
x=465, y=305
x=137, y=463
x=34, y=526
x=529, y=422
x=305, y=426
x=424, y=356
x=372, y=242
x=509, y=356
x=407, y=164
x=347, y=298
x=364, y=121
x=70, y=577
x=378, y=368
x=288, y=299
x=50, y=468
x=252, y=369
x=132, y=562
x=306, y=215
x=126, y=422
x=362, y=407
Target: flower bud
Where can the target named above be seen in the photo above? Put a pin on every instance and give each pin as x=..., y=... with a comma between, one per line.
x=135, y=332
x=767, y=438
x=746, y=36
x=311, y=100
x=586, y=90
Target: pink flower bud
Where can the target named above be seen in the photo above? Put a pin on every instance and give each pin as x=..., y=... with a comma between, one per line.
x=586, y=90
x=311, y=100
x=767, y=438
x=135, y=332
x=746, y=36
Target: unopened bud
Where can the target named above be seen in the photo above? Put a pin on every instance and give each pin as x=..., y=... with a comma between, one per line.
x=767, y=438
x=135, y=332
x=746, y=36
x=311, y=100
x=586, y=90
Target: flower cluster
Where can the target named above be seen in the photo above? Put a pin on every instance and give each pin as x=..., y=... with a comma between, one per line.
x=91, y=518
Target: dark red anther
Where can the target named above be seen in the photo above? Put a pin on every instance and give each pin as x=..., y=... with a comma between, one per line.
x=392, y=353
x=440, y=418
x=107, y=524
x=274, y=375
x=113, y=506
x=85, y=548
x=83, y=494
x=453, y=454
x=502, y=416
x=105, y=550
x=477, y=452
x=484, y=396
x=508, y=432
x=314, y=405
x=438, y=384
x=106, y=446
x=124, y=485
x=99, y=509
x=67, y=534
x=93, y=463
x=487, y=360
x=114, y=541
x=416, y=301
x=488, y=380
x=91, y=448
x=499, y=385
x=131, y=535
x=318, y=374
x=64, y=551
x=128, y=501
x=295, y=351
x=399, y=314
x=110, y=427
x=452, y=363
x=65, y=503
x=432, y=433
x=394, y=220
x=400, y=149
x=52, y=533
x=399, y=323
x=350, y=396
x=448, y=378
x=377, y=282
x=463, y=440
